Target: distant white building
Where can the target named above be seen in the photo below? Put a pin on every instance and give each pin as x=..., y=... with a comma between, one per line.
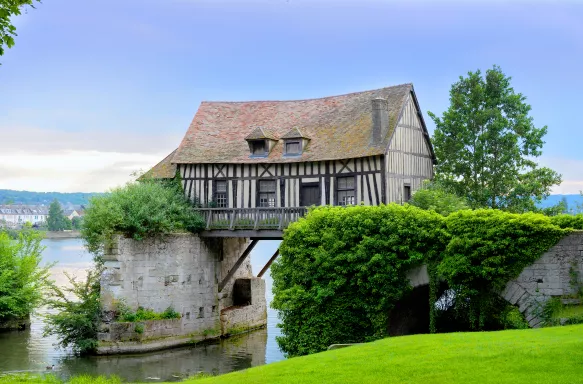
x=21, y=214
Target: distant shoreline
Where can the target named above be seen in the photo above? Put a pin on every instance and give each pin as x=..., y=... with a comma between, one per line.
x=62, y=235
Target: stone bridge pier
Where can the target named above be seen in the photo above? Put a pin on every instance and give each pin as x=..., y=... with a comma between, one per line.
x=208, y=281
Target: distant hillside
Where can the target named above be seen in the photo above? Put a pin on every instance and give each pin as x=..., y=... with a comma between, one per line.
x=572, y=201
x=8, y=196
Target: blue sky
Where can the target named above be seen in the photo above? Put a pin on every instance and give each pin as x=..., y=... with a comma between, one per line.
x=96, y=89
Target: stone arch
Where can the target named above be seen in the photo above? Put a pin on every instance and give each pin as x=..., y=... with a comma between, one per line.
x=547, y=277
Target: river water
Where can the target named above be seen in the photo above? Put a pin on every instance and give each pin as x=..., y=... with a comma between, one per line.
x=29, y=351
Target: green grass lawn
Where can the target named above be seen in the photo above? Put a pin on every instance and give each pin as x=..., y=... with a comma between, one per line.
x=533, y=356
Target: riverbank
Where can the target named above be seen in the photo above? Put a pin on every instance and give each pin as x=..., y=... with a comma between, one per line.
x=547, y=355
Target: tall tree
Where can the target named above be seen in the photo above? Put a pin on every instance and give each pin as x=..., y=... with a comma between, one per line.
x=8, y=9
x=486, y=143
x=56, y=218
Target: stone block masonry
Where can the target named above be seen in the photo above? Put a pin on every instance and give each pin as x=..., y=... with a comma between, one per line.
x=549, y=276
x=180, y=271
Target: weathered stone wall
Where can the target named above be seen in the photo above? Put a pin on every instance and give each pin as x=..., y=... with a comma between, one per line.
x=547, y=277
x=240, y=319
x=181, y=271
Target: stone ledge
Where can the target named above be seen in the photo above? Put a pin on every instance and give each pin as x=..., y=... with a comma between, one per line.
x=116, y=348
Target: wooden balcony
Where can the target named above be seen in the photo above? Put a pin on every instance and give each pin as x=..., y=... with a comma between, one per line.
x=256, y=223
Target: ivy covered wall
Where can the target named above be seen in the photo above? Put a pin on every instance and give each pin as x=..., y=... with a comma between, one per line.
x=342, y=270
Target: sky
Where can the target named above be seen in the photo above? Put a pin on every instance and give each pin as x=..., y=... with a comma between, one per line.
x=96, y=90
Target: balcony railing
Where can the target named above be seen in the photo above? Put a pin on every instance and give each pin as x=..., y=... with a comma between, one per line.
x=251, y=218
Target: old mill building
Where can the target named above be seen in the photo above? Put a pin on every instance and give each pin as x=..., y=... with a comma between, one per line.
x=251, y=158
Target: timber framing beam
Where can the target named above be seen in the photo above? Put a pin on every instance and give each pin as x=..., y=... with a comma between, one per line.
x=260, y=234
x=264, y=269
x=238, y=263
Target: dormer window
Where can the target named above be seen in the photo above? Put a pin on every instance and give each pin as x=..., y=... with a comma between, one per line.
x=258, y=148
x=293, y=147
x=294, y=143
x=260, y=141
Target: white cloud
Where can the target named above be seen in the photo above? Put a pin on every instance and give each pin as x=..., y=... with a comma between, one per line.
x=572, y=171
x=72, y=171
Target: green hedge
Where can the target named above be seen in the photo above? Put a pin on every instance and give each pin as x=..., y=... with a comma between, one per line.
x=342, y=269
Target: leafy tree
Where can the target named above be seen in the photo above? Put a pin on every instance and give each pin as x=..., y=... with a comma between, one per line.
x=76, y=311
x=56, y=219
x=8, y=9
x=435, y=197
x=22, y=278
x=77, y=222
x=486, y=143
x=67, y=223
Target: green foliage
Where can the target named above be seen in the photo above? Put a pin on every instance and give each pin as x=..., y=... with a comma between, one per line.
x=568, y=221
x=124, y=313
x=77, y=223
x=139, y=328
x=435, y=197
x=487, y=248
x=56, y=220
x=512, y=318
x=341, y=270
x=77, y=311
x=9, y=9
x=138, y=210
x=485, y=144
x=22, y=278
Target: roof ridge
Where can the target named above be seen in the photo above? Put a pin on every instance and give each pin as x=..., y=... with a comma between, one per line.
x=309, y=99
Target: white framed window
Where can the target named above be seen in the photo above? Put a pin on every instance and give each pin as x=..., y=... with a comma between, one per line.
x=345, y=191
x=221, y=196
x=266, y=193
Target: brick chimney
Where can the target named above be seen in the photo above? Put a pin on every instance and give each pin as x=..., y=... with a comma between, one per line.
x=380, y=120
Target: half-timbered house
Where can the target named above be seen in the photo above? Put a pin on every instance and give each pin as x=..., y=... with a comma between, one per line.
x=367, y=147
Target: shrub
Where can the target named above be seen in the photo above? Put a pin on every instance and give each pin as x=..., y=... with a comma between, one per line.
x=75, y=321
x=568, y=221
x=22, y=278
x=435, y=197
x=341, y=270
x=138, y=210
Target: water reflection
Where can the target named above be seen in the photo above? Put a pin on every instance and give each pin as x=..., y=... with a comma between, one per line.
x=28, y=351
x=173, y=365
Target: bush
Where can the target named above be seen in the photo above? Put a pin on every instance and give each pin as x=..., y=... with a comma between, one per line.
x=138, y=210
x=22, y=278
x=568, y=221
x=341, y=270
x=435, y=197
x=76, y=321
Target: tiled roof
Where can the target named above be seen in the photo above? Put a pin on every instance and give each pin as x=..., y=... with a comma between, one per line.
x=294, y=134
x=163, y=170
x=339, y=127
x=24, y=210
x=261, y=133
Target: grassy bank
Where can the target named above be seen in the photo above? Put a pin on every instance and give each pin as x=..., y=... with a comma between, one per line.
x=548, y=355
